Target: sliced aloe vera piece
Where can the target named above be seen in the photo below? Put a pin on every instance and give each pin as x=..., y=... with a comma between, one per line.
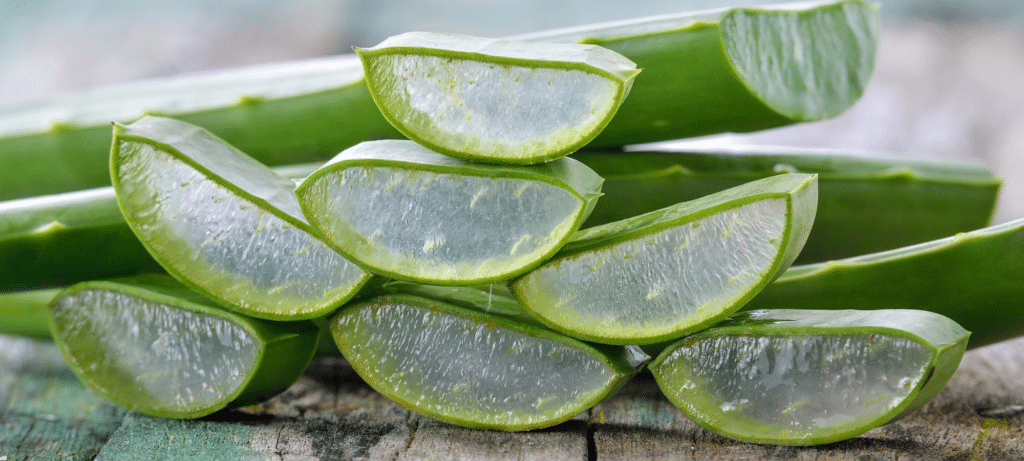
x=471, y=364
x=865, y=203
x=151, y=345
x=974, y=278
x=663, y=274
x=804, y=377
x=737, y=69
x=280, y=114
x=413, y=214
x=496, y=101
x=224, y=224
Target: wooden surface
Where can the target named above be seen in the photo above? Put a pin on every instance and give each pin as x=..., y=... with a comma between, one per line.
x=45, y=413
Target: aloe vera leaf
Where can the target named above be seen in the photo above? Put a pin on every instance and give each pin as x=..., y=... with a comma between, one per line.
x=973, y=278
x=496, y=101
x=805, y=377
x=409, y=213
x=25, y=314
x=865, y=204
x=61, y=239
x=224, y=224
x=279, y=113
x=153, y=346
x=661, y=275
x=465, y=366
x=737, y=69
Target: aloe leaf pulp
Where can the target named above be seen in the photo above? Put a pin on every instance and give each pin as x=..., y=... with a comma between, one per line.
x=224, y=224
x=463, y=357
x=496, y=101
x=661, y=275
x=737, y=69
x=974, y=278
x=62, y=239
x=804, y=377
x=151, y=345
x=865, y=204
x=410, y=213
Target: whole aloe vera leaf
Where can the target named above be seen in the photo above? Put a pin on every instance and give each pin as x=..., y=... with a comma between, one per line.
x=664, y=274
x=464, y=365
x=805, y=377
x=24, y=313
x=61, y=239
x=865, y=204
x=280, y=114
x=153, y=346
x=738, y=69
x=409, y=213
x=974, y=278
x=496, y=101
x=224, y=224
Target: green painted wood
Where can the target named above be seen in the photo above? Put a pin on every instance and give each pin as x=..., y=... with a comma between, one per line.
x=45, y=412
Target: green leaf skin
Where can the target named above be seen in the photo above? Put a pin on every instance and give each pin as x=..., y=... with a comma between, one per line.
x=24, y=313
x=99, y=326
x=409, y=213
x=661, y=275
x=280, y=114
x=42, y=238
x=735, y=70
x=496, y=101
x=973, y=278
x=224, y=224
x=865, y=204
x=469, y=365
x=887, y=364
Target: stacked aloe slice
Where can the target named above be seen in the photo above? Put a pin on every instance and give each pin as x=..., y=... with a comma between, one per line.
x=451, y=270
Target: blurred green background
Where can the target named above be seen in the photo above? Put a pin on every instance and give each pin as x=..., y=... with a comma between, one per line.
x=949, y=81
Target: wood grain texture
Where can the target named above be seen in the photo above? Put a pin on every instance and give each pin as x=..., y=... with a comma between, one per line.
x=331, y=414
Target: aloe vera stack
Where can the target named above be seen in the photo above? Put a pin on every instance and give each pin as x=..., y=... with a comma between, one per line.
x=224, y=225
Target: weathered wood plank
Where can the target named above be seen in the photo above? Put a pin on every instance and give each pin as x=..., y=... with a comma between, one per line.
x=45, y=412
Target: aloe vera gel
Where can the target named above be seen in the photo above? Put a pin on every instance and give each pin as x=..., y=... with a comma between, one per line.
x=439, y=352
x=225, y=224
x=409, y=213
x=804, y=377
x=151, y=345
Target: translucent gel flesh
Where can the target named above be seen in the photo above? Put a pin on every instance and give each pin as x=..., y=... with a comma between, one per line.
x=470, y=370
x=794, y=386
x=484, y=107
x=246, y=256
x=652, y=285
x=156, y=356
x=441, y=226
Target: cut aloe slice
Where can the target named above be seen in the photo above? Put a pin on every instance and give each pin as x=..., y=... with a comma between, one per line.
x=224, y=224
x=410, y=213
x=803, y=377
x=736, y=69
x=151, y=345
x=661, y=275
x=865, y=203
x=463, y=365
x=492, y=100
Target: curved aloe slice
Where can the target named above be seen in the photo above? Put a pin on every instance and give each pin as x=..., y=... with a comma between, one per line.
x=474, y=364
x=151, y=345
x=865, y=204
x=976, y=279
x=739, y=69
x=661, y=275
x=279, y=113
x=801, y=377
x=492, y=100
x=224, y=224
x=413, y=214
